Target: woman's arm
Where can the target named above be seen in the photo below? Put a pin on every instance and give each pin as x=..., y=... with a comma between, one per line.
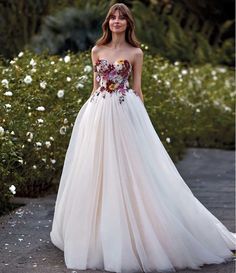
x=137, y=72
x=94, y=57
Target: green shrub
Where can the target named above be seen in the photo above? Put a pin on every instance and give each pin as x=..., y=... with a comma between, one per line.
x=41, y=95
x=193, y=106
x=179, y=34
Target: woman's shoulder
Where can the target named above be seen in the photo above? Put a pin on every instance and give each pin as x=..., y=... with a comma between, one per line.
x=96, y=48
x=137, y=51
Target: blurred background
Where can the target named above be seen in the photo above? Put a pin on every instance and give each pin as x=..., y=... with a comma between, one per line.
x=186, y=30
x=188, y=80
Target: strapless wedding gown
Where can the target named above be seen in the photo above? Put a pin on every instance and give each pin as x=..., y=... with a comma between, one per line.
x=121, y=205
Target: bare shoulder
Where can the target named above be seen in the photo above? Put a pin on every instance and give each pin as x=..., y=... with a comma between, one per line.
x=138, y=52
x=95, y=49
x=95, y=53
x=137, y=55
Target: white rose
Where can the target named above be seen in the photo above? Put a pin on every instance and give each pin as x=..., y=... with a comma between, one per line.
x=5, y=83
x=63, y=130
x=83, y=78
x=40, y=108
x=60, y=93
x=39, y=120
x=67, y=59
x=79, y=85
x=7, y=105
x=32, y=62
x=155, y=77
x=38, y=144
x=227, y=108
x=87, y=68
x=53, y=160
x=168, y=140
x=221, y=69
x=20, y=54
x=1, y=131
x=12, y=188
x=48, y=144
x=28, y=79
x=43, y=84
x=30, y=135
x=8, y=93
x=167, y=83
x=213, y=72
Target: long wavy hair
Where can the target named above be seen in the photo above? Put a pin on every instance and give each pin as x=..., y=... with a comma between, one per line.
x=130, y=36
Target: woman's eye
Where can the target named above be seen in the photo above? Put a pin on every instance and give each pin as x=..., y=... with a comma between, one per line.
x=121, y=17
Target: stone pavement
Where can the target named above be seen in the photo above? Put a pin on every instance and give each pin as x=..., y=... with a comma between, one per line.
x=24, y=236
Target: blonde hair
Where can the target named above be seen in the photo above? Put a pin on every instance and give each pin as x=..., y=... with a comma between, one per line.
x=130, y=36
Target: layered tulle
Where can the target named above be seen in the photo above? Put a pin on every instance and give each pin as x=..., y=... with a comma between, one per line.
x=122, y=206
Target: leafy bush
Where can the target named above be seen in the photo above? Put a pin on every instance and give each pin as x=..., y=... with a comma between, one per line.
x=193, y=106
x=41, y=95
x=178, y=34
x=70, y=29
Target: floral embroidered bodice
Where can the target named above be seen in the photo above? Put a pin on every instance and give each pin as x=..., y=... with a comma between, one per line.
x=112, y=77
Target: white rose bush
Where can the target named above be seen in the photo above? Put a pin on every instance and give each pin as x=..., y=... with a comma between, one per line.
x=40, y=107
x=190, y=106
x=41, y=95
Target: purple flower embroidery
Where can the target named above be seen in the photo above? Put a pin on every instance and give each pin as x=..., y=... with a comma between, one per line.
x=113, y=77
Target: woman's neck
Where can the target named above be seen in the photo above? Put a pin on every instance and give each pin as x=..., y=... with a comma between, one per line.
x=118, y=41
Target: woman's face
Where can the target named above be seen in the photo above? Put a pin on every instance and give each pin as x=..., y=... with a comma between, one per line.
x=117, y=22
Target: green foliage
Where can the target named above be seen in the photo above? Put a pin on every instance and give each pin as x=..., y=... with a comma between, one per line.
x=192, y=106
x=19, y=22
x=175, y=33
x=70, y=29
x=34, y=142
x=41, y=95
x=192, y=41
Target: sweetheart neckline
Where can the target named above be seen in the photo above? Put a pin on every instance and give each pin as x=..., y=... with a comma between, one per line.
x=115, y=61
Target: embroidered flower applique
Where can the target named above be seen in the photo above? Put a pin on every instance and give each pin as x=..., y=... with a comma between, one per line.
x=112, y=78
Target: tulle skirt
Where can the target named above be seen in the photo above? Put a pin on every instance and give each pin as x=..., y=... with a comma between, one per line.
x=122, y=206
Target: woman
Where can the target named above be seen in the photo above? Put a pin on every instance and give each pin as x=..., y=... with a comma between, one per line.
x=122, y=206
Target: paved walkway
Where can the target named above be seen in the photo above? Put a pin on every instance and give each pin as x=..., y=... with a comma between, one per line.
x=24, y=234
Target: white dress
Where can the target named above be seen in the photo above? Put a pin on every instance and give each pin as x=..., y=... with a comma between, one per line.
x=122, y=206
